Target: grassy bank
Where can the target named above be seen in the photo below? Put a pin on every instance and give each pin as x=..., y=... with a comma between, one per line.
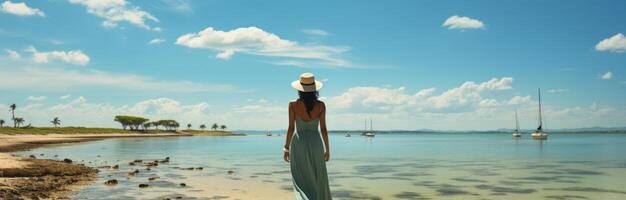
x=83, y=130
x=70, y=130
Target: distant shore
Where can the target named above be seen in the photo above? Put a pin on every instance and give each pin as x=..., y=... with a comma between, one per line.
x=32, y=178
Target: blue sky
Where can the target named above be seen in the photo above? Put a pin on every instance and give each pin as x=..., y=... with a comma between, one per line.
x=407, y=64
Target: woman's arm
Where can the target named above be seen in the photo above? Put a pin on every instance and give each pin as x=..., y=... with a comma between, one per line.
x=292, y=116
x=324, y=131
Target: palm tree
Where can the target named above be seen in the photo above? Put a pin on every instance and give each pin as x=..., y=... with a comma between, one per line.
x=202, y=126
x=18, y=121
x=13, y=107
x=188, y=126
x=215, y=126
x=56, y=121
x=1, y=123
x=223, y=127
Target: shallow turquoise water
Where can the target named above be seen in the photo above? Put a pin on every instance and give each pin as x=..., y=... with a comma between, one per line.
x=389, y=166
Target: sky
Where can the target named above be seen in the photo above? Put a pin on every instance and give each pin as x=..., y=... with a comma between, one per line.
x=446, y=65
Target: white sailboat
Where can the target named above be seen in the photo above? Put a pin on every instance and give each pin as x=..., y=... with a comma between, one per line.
x=369, y=133
x=539, y=134
x=516, y=133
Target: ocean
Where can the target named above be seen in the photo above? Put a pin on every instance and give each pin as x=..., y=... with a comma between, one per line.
x=388, y=166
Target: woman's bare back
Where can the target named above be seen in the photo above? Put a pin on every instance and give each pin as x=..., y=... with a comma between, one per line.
x=300, y=109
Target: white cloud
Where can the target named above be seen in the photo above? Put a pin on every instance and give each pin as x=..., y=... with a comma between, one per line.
x=315, y=32
x=76, y=57
x=115, y=11
x=458, y=22
x=560, y=90
x=13, y=54
x=607, y=76
x=65, y=96
x=253, y=40
x=617, y=44
x=181, y=6
x=157, y=41
x=489, y=103
x=20, y=9
x=519, y=100
x=36, y=98
x=46, y=79
x=395, y=100
x=468, y=93
x=80, y=112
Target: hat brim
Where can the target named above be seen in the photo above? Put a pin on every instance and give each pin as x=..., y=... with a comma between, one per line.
x=307, y=88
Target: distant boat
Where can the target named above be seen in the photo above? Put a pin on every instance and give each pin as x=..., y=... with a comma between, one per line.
x=269, y=134
x=348, y=135
x=539, y=134
x=369, y=133
x=516, y=133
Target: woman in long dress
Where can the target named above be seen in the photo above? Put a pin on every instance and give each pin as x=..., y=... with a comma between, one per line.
x=304, y=149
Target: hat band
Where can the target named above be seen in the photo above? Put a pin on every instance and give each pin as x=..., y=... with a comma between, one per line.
x=307, y=84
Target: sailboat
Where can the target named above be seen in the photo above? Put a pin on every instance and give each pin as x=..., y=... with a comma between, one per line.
x=369, y=133
x=516, y=133
x=539, y=134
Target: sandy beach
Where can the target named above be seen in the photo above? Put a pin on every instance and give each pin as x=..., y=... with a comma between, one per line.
x=32, y=178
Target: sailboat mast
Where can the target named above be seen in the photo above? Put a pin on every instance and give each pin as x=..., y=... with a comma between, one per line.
x=516, y=121
x=371, y=125
x=365, y=127
x=540, y=120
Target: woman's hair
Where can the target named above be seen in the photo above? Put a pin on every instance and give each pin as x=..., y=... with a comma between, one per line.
x=309, y=99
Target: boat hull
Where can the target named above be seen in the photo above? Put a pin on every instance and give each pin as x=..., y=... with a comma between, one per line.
x=539, y=135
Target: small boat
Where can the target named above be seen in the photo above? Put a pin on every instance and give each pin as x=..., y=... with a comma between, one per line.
x=269, y=134
x=539, y=134
x=348, y=135
x=516, y=133
x=369, y=133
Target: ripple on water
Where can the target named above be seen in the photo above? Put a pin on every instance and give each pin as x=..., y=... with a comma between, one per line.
x=500, y=189
x=410, y=195
x=470, y=180
x=352, y=194
x=450, y=191
x=565, y=197
x=587, y=189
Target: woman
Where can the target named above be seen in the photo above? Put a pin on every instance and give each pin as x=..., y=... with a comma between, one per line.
x=304, y=149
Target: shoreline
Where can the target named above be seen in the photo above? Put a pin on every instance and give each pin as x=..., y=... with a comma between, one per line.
x=32, y=178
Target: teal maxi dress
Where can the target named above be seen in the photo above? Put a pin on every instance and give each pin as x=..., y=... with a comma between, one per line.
x=306, y=157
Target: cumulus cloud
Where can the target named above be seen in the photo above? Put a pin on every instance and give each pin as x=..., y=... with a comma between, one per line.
x=80, y=112
x=253, y=40
x=459, y=99
x=607, y=76
x=20, y=9
x=65, y=97
x=315, y=32
x=519, y=100
x=616, y=44
x=467, y=93
x=76, y=57
x=50, y=79
x=13, y=54
x=459, y=22
x=560, y=90
x=115, y=11
x=156, y=41
x=36, y=98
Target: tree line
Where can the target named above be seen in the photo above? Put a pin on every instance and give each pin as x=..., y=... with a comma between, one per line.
x=136, y=123
x=19, y=121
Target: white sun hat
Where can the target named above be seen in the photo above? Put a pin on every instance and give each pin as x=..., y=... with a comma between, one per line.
x=307, y=83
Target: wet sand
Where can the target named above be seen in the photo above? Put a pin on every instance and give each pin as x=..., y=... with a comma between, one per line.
x=32, y=178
